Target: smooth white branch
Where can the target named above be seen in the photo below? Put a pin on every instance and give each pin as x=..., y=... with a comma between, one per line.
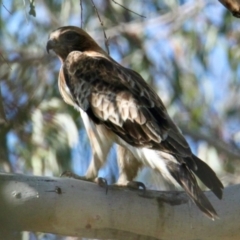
x=77, y=208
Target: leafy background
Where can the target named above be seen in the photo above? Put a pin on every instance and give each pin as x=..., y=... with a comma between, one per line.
x=187, y=50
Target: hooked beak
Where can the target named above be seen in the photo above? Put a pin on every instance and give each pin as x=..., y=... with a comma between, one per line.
x=50, y=44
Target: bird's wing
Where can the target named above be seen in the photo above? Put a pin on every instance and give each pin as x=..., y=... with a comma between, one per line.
x=121, y=100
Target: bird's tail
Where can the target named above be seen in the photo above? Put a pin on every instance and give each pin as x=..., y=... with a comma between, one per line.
x=208, y=177
x=184, y=176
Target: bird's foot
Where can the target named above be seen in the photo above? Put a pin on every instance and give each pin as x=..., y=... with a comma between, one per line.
x=133, y=185
x=102, y=182
x=70, y=174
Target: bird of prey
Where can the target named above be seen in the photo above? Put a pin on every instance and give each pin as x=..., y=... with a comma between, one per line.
x=119, y=106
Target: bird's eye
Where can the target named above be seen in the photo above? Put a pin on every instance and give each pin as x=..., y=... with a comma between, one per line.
x=70, y=36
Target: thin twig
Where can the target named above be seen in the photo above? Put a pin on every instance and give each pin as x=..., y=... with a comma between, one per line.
x=101, y=22
x=81, y=6
x=127, y=9
x=172, y=18
x=6, y=8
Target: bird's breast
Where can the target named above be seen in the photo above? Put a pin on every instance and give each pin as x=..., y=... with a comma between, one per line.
x=100, y=131
x=64, y=90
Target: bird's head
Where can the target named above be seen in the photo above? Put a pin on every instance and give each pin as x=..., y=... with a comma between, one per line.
x=70, y=38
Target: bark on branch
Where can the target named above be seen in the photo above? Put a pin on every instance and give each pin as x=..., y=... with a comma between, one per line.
x=77, y=208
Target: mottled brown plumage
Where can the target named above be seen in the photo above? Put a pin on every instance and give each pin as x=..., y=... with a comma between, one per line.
x=233, y=6
x=123, y=107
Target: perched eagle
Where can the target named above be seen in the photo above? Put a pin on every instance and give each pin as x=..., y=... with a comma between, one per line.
x=117, y=105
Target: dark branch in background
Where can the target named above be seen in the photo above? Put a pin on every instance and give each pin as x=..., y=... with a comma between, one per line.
x=173, y=18
x=6, y=9
x=101, y=22
x=220, y=145
x=81, y=6
x=3, y=119
x=128, y=9
x=2, y=112
x=6, y=61
x=233, y=6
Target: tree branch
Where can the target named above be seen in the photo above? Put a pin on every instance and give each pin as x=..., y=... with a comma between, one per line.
x=232, y=153
x=127, y=9
x=175, y=18
x=77, y=208
x=103, y=28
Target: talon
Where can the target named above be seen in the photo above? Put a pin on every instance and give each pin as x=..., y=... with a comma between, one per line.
x=133, y=185
x=136, y=185
x=66, y=174
x=102, y=182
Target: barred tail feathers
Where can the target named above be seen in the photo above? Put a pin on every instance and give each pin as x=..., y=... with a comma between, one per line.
x=183, y=175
